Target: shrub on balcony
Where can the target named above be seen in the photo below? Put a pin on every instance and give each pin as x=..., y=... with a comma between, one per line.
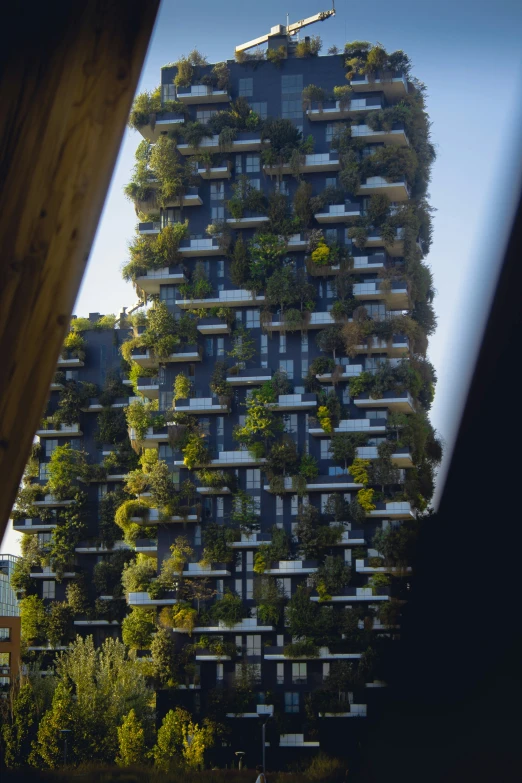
x=312, y=94
x=128, y=509
x=276, y=56
x=74, y=346
x=365, y=498
x=359, y=470
x=344, y=446
x=229, y=610
x=33, y=620
x=332, y=575
x=378, y=582
x=182, y=616
x=308, y=467
x=305, y=648
x=359, y=236
x=216, y=544
x=139, y=417
x=138, y=574
x=195, y=451
x=309, y=47
x=343, y=94
x=244, y=513
x=137, y=628
x=245, y=197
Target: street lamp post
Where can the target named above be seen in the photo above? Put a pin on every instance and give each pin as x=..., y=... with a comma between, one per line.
x=263, y=729
x=240, y=754
x=65, y=732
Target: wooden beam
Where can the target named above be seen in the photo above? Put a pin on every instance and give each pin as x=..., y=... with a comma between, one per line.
x=68, y=73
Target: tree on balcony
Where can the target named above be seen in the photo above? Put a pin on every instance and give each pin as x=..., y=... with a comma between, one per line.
x=332, y=575
x=229, y=610
x=243, y=346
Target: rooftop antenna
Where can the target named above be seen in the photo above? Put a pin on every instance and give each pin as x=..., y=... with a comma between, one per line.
x=290, y=29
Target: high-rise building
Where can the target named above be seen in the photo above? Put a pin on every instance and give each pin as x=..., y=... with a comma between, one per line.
x=281, y=448
x=8, y=600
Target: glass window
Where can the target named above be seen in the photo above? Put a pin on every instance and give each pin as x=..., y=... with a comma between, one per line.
x=252, y=164
x=217, y=213
x=291, y=702
x=5, y=634
x=221, y=269
x=292, y=83
x=286, y=586
x=260, y=108
x=280, y=673
x=219, y=672
x=50, y=445
x=253, y=644
x=239, y=587
x=292, y=110
x=239, y=165
x=304, y=342
x=287, y=365
x=331, y=182
x=209, y=346
x=219, y=508
x=44, y=471
x=168, y=92
x=102, y=490
x=165, y=400
x=197, y=535
x=204, y=115
x=252, y=319
x=220, y=346
x=249, y=589
x=377, y=414
x=282, y=343
x=304, y=368
x=256, y=184
x=330, y=235
x=253, y=478
x=168, y=294
x=282, y=187
x=264, y=343
x=217, y=191
x=279, y=506
x=246, y=87
x=294, y=505
x=48, y=589
x=325, y=448
x=298, y=673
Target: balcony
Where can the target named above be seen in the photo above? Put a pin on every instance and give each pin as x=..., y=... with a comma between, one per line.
x=61, y=431
x=296, y=741
x=146, y=545
x=394, y=401
x=152, y=517
x=251, y=541
x=401, y=457
x=204, y=654
x=70, y=361
x=154, y=278
x=146, y=358
x=149, y=227
x=367, y=426
x=166, y=121
x=292, y=568
x=277, y=654
x=213, y=325
x=356, y=711
x=216, y=172
x=149, y=387
x=247, y=625
x=395, y=293
x=221, y=490
x=87, y=547
x=152, y=437
x=393, y=86
x=352, y=538
x=296, y=242
x=245, y=141
x=396, y=249
x=236, y=298
x=295, y=402
x=207, y=246
x=350, y=595
x=396, y=191
x=336, y=213
x=144, y=599
x=251, y=377
x=331, y=110
x=363, y=567
x=197, y=570
x=343, y=372
x=342, y=481
x=51, y=502
x=322, y=161
x=95, y=406
x=201, y=93
x=47, y=573
x=261, y=709
x=249, y=220
x=239, y=459
x=363, y=264
x=397, y=347
x=394, y=137
x=201, y=405
x=400, y=510
x=34, y=525
x=95, y=622
x=189, y=198
x=318, y=320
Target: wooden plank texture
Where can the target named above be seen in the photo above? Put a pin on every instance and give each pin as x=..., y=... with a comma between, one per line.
x=68, y=73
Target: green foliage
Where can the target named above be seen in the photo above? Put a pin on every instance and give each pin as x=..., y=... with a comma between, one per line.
x=96, y=689
x=215, y=542
x=243, y=346
x=18, y=729
x=182, y=387
x=138, y=574
x=229, y=610
x=33, y=619
x=74, y=346
x=195, y=451
x=332, y=575
x=144, y=104
x=365, y=498
x=131, y=741
x=309, y=47
x=312, y=93
x=65, y=466
x=359, y=470
x=308, y=467
x=137, y=628
x=269, y=598
x=305, y=648
x=139, y=416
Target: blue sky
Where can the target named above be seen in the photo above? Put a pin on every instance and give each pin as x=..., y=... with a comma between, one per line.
x=467, y=52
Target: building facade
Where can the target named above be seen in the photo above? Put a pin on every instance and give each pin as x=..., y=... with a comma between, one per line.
x=281, y=449
x=8, y=602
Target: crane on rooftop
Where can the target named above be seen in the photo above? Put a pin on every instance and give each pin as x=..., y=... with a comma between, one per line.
x=288, y=29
